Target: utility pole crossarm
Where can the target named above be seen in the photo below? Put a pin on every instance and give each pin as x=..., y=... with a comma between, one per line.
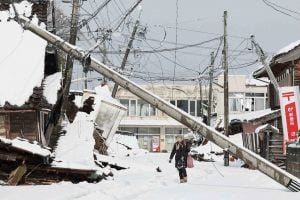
x=266, y=167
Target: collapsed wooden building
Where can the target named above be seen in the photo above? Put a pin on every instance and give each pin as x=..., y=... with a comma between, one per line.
x=30, y=103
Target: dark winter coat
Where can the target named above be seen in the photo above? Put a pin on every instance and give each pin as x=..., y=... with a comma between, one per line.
x=180, y=151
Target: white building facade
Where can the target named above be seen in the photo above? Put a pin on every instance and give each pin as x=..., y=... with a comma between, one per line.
x=156, y=131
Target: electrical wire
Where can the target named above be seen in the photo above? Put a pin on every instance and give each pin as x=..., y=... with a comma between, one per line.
x=277, y=8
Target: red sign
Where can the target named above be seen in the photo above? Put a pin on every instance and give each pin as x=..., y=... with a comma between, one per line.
x=291, y=121
x=289, y=103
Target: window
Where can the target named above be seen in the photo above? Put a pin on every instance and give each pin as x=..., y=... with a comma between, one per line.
x=199, y=108
x=255, y=94
x=142, y=130
x=202, y=105
x=152, y=111
x=176, y=131
x=142, y=108
x=125, y=102
x=132, y=108
x=192, y=108
x=183, y=105
x=259, y=103
x=236, y=104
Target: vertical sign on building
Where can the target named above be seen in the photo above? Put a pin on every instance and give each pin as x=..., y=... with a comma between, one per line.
x=290, y=110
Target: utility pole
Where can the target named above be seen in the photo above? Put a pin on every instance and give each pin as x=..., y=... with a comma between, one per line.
x=283, y=177
x=128, y=49
x=211, y=73
x=69, y=62
x=263, y=57
x=226, y=90
x=201, y=97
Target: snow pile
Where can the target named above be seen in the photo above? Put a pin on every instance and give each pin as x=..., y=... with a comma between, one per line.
x=75, y=148
x=25, y=145
x=289, y=47
x=51, y=86
x=125, y=145
x=21, y=58
x=210, y=148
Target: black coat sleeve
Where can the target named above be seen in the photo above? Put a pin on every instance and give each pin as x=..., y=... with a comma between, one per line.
x=173, y=152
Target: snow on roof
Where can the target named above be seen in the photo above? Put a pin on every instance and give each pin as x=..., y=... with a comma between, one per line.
x=52, y=85
x=294, y=145
x=255, y=82
x=265, y=126
x=288, y=48
x=27, y=146
x=21, y=58
x=75, y=148
x=249, y=115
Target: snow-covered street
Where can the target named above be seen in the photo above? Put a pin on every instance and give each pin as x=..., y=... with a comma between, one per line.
x=206, y=181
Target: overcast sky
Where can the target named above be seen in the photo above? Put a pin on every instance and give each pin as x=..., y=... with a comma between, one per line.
x=201, y=20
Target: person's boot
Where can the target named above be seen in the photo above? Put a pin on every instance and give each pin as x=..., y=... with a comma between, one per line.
x=181, y=180
x=185, y=179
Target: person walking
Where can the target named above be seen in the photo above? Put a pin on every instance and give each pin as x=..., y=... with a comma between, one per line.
x=180, y=151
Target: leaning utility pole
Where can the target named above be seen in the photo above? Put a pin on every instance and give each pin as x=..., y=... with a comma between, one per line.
x=129, y=46
x=211, y=74
x=226, y=98
x=263, y=57
x=69, y=62
x=249, y=157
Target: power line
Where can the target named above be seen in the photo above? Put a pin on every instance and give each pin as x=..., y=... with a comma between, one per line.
x=275, y=7
x=199, y=31
x=287, y=9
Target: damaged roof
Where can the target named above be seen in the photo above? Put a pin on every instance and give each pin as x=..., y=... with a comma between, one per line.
x=287, y=54
x=22, y=61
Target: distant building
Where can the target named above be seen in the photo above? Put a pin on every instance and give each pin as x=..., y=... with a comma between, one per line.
x=150, y=125
x=245, y=94
x=155, y=129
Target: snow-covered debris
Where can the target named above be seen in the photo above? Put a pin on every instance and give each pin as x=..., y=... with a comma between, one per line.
x=75, y=148
x=210, y=148
x=109, y=160
x=51, y=86
x=289, y=47
x=125, y=145
x=27, y=146
x=21, y=58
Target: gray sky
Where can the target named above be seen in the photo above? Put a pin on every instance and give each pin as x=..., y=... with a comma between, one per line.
x=198, y=20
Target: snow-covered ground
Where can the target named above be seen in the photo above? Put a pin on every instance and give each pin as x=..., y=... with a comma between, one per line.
x=141, y=181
